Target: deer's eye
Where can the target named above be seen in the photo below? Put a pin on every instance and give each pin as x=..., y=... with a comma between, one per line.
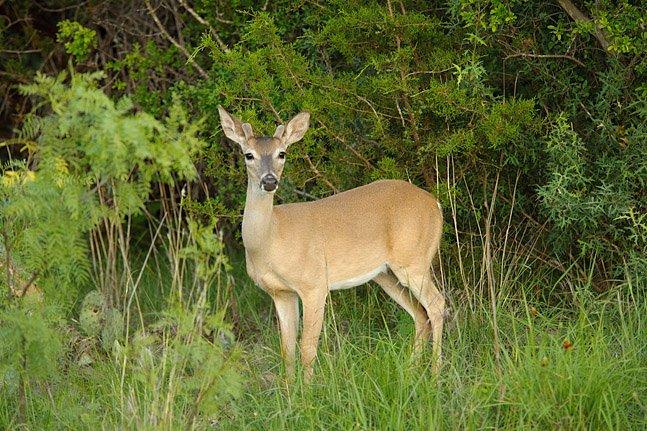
x=282, y=155
x=249, y=156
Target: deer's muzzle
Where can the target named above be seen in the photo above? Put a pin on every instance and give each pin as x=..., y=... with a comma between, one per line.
x=269, y=183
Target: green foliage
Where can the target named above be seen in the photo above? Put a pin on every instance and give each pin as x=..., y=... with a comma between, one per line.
x=99, y=321
x=94, y=161
x=91, y=165
x=485, y=15
x=44, y=218
x=594, y=198
x=181, y=371
x=138, y=64
x=394, y=88
x=624, y=23
x=183, y=358
x=565, y=194
x=386, y=108
x=77, y=39
x=105, y=142
x=31, y=346
x=206, y=250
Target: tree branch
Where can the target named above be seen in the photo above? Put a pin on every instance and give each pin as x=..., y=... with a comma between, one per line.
x=174, y=42
x=18, y=52
x=346, y=144
x=320, y=175
x=577, y=15
x=529, y=55
x=204, y=22
x=27, y=285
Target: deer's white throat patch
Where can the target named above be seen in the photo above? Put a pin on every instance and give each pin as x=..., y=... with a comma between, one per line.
x=360, y=279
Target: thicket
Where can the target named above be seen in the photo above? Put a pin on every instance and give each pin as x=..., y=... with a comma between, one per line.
x=544, y=99
x=527, y=118
x=69, y=205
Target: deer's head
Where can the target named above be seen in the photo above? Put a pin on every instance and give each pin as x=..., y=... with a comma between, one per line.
x=264, y=155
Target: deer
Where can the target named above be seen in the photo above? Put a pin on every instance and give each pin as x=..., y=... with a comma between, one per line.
x=388, y=231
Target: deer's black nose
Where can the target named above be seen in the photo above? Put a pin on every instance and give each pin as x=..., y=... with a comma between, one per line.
x=269, y=183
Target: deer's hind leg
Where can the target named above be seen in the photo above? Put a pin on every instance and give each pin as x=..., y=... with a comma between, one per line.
x=420, y=283
x=401, y=295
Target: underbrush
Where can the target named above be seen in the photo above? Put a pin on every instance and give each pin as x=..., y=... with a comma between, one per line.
x=559, y=369
x=576, y=365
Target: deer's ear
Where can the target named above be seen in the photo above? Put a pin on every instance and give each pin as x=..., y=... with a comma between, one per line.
x=278, y=133
x=296, y=128
x=232, y=126
x=247, y=130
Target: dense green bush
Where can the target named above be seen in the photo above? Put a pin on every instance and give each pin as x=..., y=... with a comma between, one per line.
x=91, y=163
x=453, y=96
x=451, y=99
x=90, y=166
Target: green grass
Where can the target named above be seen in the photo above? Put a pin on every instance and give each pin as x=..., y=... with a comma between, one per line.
x=367, y=379
x=365, y=375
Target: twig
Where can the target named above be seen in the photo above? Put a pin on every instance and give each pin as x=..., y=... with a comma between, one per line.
x=16, y=78
x=61, y=9
x=357, y=154
x=204, y=22
x=397, y=104
x=18, y=52
x=178, y=23
x=320, y=175
x=427, y=72
x=403, y=78
x=529, y=55
x=268, y=102
x=304, y=194
x=539, y=225
x=24, y=289
x=173, y=41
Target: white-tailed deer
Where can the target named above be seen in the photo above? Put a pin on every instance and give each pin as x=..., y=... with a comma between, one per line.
x=387, y=231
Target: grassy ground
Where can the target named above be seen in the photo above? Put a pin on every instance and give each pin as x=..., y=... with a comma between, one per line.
x=574, y=363
x=581, y=368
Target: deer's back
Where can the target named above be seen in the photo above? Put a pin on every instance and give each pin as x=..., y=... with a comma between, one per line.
x=362, y=228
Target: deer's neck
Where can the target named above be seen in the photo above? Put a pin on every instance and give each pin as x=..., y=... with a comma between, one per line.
x=257, y=220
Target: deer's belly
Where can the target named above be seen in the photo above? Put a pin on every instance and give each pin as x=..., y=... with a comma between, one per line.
x=360, y=279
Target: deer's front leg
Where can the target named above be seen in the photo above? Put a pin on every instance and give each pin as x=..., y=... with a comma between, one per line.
x=287, y=310
x=313, y=315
